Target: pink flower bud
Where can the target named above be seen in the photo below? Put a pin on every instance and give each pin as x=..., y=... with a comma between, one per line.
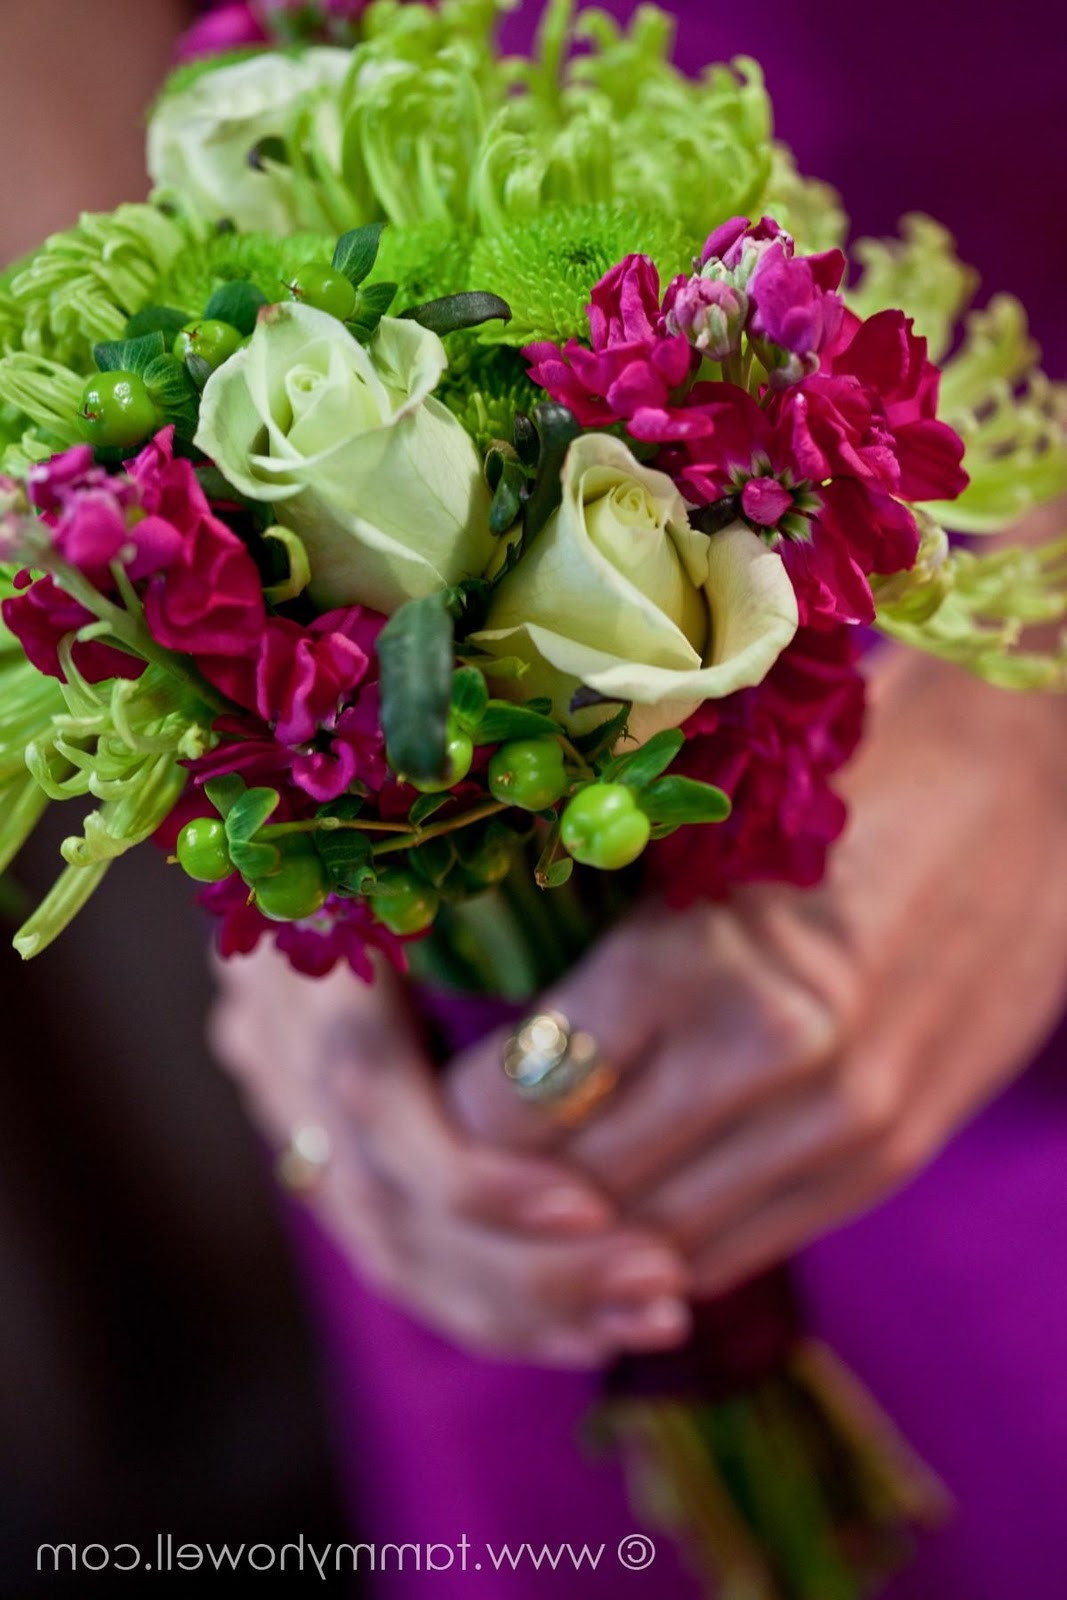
x=711, y=314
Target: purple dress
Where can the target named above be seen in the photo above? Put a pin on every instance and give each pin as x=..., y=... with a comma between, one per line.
x=949, y=1300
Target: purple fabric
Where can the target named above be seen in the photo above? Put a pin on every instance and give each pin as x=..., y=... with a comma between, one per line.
x=949, y=1301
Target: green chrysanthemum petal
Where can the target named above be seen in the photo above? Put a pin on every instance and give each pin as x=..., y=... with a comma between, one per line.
x=257, y=258
x=983, y=604
x=919, y=271
x=807, y=208
x=426, y=262
x=546, y=269
x=485, y=388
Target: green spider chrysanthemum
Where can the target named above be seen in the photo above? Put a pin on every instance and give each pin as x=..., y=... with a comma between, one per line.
x=425, y=262
x=485, y=388
x=546, y=269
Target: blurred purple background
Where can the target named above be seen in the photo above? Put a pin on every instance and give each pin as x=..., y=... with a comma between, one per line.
x=155, y=1368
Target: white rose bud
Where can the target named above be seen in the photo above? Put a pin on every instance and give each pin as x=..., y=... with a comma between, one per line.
x=201, y=137
x=619, y=594
x=383, y=485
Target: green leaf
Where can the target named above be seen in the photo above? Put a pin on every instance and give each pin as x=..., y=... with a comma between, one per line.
x=129, y=355
x=357, y=252
x=239, y=304
x=254, y=860
x=433, y=860
x=224, y=792
x=173, y=390
x=503, y=721
x=425, y=806
x=506, y=504
x=346, y=854
x=415, y=653
x=469, y=698
x=456, y=311
x=557, y=428
x=677, y=801
x=602, y=740
x=157, y=319
x=249, y=812
x=555, y=876
x=372, y=302
x=199, y=370
x=639, y=767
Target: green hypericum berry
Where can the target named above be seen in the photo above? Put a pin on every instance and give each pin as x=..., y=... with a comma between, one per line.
x=118, y=410
x=299, y=888
x=214, y=342
x=203, y=852
x=528, y=773
x=404, y=902
x=487, y=865
x=459, y=754
x=324, y=289
x=604, y=827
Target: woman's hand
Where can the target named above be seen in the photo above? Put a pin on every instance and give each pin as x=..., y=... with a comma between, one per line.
x=790, y=1059
x=512, y=1254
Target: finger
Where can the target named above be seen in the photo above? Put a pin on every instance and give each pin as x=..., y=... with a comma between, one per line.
x=626, y=993
x=757, y=1041
x=786, y=1223
x=774, y=1150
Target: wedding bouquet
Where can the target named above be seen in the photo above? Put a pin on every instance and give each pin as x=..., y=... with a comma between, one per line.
x=441, y=514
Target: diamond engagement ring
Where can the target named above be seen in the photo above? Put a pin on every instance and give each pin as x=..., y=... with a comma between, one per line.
x=558, y=1067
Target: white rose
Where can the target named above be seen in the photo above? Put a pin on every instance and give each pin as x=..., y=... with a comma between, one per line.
x=200, y=137
x=383, y=485
x=619, y=594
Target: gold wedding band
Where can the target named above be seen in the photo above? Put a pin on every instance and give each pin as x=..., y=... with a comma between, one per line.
x=301, y=1164
x=558, y=1067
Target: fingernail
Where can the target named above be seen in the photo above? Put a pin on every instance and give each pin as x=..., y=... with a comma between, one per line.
x=642, y=1271
x=565, y=1208
x=663, y=1322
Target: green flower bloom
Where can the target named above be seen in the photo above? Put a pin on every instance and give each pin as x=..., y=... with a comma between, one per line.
x=919, y=271
x=546, y=269
x=122, y=743
x=983, y=603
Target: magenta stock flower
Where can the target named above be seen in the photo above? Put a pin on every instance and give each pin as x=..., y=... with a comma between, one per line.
x=634, y=362
x=238, y=24
x=344, y=930
x=708, y=312
x=314, y=694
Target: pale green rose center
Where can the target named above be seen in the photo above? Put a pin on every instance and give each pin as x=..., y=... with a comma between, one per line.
x=630, y=531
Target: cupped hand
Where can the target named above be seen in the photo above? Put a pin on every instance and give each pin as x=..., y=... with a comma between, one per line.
x=789, y=1059
x=512, y=1254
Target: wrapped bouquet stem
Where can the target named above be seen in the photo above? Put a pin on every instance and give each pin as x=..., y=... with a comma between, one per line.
x=449, y=507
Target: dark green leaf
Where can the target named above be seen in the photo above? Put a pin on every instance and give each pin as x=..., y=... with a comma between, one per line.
x=416, y=656
x=357, y=252
x=129, y=355
x=527, y=443
x=157, y=319
x=239, y=304
x=503, y=721
x=540, y=703
x=558, y=428
x=425, y=806
x=601, y=740
x=507, y=498
x=455, y=311
x=347, y=857
x=681, y=800
x=372, y=302
x=433, y=860
x=270, y=148
x=224, y=792
x=640, y=766
x=249, y=812
x=710, y=519
x=469, y=698
x=199, y=370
